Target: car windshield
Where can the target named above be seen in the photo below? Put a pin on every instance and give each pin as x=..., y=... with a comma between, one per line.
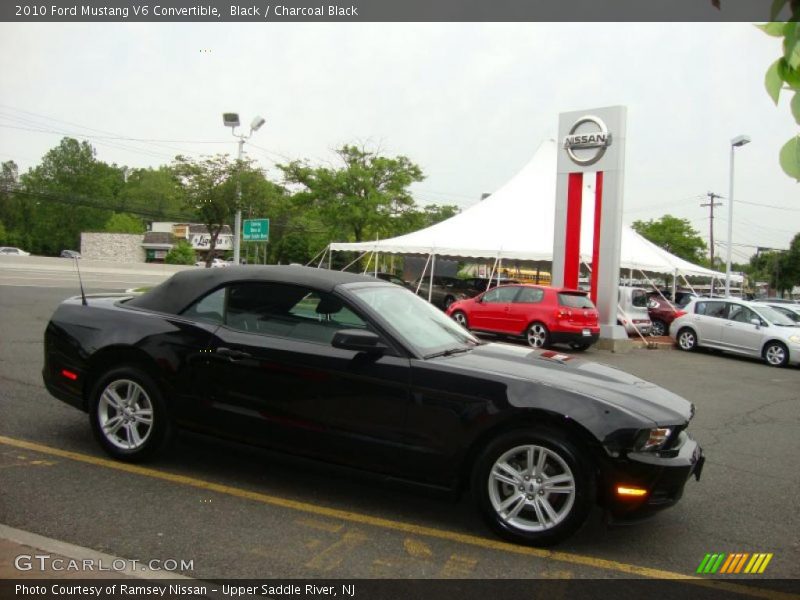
x=774, y=317
x=420, y=324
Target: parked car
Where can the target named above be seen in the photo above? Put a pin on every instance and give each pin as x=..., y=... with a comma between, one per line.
x=777, y=301
x=540, y=315
x=632, y=310
x=217, y=263
x=346, y=369
x=446, y=290
x=11, y=251
x=477, y=285
x=741, y=327
x=393, y=279
x=790, y=310
x=70, y=254
x=662, y=312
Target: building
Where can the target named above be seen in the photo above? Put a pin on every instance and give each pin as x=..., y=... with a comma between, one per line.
x=164, y=235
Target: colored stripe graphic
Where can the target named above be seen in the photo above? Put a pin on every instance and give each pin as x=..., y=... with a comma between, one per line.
x=598, y=219
x=572, y=239
x=722, y=563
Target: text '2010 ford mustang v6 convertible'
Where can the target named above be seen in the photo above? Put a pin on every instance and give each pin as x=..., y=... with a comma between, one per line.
x=363, y=373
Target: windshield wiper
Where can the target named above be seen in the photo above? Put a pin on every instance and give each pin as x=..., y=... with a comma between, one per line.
x=449, y=352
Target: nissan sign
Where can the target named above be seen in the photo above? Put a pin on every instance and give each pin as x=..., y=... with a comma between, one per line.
x=587, y=140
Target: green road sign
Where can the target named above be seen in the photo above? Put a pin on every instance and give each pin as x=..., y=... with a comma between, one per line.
x=255, y=230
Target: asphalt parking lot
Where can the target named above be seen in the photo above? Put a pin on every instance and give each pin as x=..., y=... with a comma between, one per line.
x=239, y=513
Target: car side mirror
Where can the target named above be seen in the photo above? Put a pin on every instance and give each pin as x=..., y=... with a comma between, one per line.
x=358, y=340
x=756, y=322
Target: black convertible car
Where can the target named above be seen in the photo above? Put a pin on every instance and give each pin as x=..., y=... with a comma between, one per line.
x=364, y=373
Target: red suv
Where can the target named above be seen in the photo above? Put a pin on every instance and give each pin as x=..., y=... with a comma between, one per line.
x=541, y=315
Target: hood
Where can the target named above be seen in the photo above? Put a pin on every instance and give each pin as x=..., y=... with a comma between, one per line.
x=566, y=372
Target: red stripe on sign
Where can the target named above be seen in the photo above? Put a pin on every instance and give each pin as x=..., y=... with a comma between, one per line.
x=598, y=218
x=572, y=241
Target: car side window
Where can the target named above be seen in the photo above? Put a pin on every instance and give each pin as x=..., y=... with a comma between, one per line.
x=289, y=311
x=718, y=310
x=500, y=294
x=740, y=314
x=529, y=295
x=210, y=308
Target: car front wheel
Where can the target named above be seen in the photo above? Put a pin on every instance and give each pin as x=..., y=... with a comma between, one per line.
x=128, y=415
x=537, y=335
x=687, y=339
x=534, y=486
x=776, y=354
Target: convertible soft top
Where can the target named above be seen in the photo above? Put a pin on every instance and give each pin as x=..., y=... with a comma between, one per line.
x=183, y=288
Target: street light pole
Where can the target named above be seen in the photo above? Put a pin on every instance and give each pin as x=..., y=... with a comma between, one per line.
x=738, y=141
x=232, y=120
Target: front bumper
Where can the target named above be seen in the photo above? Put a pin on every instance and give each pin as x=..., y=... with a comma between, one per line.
x=662, y=475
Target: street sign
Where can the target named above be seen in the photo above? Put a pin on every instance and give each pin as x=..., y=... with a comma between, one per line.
x=255, y=230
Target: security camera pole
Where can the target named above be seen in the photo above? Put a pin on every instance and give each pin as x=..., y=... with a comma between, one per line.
x=232, y=120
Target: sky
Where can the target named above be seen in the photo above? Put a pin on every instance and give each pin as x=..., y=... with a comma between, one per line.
x=468, y=102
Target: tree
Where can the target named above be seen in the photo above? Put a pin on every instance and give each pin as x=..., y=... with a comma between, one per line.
x=674, y=235
x=155, y=193
x=124, y=223
x=210, y=192
x=181, y=253
x=360, y=198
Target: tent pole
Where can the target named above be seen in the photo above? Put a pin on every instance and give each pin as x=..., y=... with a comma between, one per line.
x=316, y=256
x=499, y=266
x=330, y=256
x=689, y=285
x=350, y=264
x=650, y=281
x=433, y=267
x=491, y=275
x=321, y=260
x=422, y=276
x=674, y=284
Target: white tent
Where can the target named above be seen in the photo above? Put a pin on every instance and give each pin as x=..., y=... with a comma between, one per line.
x=516, y=222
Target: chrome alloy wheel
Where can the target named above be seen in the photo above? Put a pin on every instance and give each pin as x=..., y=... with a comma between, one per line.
x=775, y=355
x=125, y=414
x=537, y=335
x=531, y=488
x=686, y=340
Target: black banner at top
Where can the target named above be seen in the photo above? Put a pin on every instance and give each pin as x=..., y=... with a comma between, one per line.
x=387, y=10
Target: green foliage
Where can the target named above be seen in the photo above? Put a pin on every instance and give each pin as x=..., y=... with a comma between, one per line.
x=155, y=193
x=124, y=223
x=181, y=253
x=358, y=200
x=674, y=235
x=2, y=233
x=784, y=75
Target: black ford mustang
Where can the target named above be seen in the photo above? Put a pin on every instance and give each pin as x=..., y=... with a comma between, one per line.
x=363, y=373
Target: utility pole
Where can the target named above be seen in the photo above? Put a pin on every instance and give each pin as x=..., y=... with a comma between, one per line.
x=711, y=205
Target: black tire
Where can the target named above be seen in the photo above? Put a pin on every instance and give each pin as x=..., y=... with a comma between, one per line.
x=537, y=335
x=776, y=354
x=461, y=318
x=659, y=328
x=579, y=347
x=118, y=414
x=448, y=300
x=532, y=522
x=687, y=339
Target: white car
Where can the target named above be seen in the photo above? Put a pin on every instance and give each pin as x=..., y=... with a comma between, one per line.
x=632, y=310
x=215, y=264
x=10, y=251
x=738, y=326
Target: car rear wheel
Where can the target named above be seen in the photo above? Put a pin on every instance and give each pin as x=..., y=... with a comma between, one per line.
x=687, y=339
x=537, y=335
x=533, y=486
x=659, y=328
x=128, y=415
x=461, y=318
x=776, y=354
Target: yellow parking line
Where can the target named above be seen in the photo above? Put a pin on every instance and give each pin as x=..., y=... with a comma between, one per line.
x=408, y=528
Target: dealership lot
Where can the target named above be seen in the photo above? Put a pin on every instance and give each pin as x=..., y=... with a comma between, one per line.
x=239, y=512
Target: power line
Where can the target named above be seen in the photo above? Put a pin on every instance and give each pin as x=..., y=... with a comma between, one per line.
x=767, y=205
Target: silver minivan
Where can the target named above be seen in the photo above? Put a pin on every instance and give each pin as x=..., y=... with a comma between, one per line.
x=748, y=328
x=632, y=310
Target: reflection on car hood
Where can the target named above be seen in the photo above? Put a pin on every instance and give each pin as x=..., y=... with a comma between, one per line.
x=569, y=373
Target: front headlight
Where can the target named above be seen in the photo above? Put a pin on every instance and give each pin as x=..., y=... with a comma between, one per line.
x=795, y=339
x=652, y=439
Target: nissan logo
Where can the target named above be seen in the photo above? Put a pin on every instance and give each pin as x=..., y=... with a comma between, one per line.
x=596, y=135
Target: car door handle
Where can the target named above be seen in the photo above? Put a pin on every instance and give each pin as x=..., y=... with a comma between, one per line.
x=233, y=354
